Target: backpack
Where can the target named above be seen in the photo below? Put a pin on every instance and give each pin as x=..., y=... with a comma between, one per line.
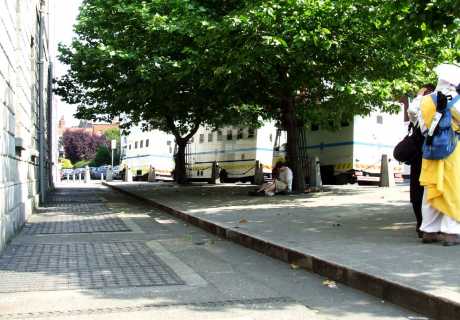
x=443, y=141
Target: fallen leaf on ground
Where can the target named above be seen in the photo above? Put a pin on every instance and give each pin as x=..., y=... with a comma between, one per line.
x=243, y=221
x=330, y=284
x=294, y=266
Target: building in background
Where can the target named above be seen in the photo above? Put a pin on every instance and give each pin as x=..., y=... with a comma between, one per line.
x=27, y=153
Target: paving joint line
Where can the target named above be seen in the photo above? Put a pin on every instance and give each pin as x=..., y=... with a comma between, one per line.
x=147, y=307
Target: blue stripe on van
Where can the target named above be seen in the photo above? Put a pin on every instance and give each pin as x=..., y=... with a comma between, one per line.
x=151, y=155
x=348, y=143
x=233, y=151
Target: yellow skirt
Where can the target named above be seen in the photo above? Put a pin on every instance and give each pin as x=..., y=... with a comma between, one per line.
x=441, y=179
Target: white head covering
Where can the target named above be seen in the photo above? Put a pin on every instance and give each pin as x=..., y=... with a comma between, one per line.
x=449, y=73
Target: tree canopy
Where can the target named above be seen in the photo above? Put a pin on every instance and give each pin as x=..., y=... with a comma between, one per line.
x=176, y=65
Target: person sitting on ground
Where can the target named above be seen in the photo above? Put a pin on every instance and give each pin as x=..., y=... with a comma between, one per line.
x=281, y=184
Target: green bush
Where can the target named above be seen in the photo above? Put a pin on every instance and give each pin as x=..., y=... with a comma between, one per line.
x=102, y=156
x=82, y=163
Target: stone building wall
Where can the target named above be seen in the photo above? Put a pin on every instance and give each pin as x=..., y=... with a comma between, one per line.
x=19, y=110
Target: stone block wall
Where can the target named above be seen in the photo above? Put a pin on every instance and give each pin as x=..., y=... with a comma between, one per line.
x=19, y=111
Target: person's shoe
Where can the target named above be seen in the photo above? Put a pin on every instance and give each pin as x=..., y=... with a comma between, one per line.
x=450, y=240
x=430, y=237
x=419, y=234
x=270, y=194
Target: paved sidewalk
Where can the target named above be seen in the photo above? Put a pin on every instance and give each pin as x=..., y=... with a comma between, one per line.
x=93, y=253
x=364, y=229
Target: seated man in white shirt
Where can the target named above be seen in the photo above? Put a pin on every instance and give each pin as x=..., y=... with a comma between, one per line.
x=281, y=184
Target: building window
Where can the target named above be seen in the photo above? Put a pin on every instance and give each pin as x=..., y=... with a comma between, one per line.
x=129, y=147
x=201, y=137
x=220, y=135
x=379, y=119
x=147, y=142
x=229, y=134
x=271, y=137
x=135, y=145
x=141, y=144
x=210, y=136
x=240, y=134
x=251, y=133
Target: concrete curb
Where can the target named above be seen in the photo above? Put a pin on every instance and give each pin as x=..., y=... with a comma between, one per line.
x=409, y=298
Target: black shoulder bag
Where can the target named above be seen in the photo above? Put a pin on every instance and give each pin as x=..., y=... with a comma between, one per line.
x=410, y=148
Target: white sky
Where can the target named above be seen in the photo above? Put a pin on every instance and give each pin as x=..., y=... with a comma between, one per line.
x=63, y=14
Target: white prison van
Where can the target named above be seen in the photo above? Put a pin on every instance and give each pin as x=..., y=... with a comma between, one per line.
x=237, y=151
x=142, y=150
x=353, y=153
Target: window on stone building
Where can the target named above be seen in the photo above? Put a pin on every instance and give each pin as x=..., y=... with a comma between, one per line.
x=141, y=144
x=135, y=145
x=201, y=137
x=220, y=135
x=147, y=142
x=240, y=134
x=229, y=134
x=210, y=137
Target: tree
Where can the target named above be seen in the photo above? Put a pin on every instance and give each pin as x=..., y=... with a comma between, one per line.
x=103, y=156
x=110, y=135
x=325, y=61
x=143, y=59
x=81, y=145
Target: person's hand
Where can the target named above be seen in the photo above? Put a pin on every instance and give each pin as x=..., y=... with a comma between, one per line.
x=422, y=92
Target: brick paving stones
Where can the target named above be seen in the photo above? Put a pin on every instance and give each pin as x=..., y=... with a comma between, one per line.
x=60, y=224
x=39, y=267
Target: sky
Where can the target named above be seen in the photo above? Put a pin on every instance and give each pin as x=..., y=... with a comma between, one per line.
x=63, y=14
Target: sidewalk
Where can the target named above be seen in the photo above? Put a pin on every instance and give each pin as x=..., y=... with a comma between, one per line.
x=361, y=236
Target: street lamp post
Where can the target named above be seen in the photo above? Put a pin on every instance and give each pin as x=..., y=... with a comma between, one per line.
x=114, y=146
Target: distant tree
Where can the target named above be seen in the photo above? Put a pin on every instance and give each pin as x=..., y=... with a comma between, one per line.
x=114, y=134
x=103, y=156
x=80, y=145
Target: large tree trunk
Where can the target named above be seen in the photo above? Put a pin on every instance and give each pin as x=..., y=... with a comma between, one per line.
x=293, y=154
x=180, y=174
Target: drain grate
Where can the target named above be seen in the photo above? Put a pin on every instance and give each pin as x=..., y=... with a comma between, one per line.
x=63, y=224
x=42, y=267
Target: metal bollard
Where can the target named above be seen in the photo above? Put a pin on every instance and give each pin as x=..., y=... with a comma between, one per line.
x=73, y=176
x=68, y=177
x=102, y=177
x=79, y=176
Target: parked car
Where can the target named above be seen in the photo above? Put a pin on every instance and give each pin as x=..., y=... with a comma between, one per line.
x=65, y=172
x=117, y=172
x=98, y=172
